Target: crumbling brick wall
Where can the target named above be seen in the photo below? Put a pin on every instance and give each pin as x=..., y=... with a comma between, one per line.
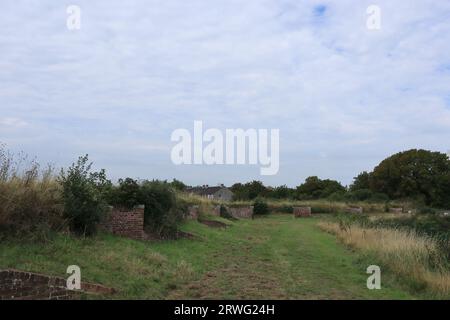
x=22, y=285
x=125, y=223
x=193, y=212
x=302, y=212
x=241, y=212
x=216, y=210
x=354, y=210
x=30, y=286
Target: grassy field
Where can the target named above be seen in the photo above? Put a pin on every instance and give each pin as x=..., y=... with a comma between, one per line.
x=274, y=257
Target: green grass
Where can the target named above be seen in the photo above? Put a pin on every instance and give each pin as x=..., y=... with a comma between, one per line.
x=274, y=257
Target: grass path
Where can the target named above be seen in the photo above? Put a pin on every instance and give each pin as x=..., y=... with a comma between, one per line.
x=274, y=257
x=278, y=257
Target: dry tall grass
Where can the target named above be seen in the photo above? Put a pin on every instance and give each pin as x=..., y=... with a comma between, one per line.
x=194, y=199
x=413, y=257
x=30, y=198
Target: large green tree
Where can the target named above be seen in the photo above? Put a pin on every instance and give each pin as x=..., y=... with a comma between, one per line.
x=418, y=174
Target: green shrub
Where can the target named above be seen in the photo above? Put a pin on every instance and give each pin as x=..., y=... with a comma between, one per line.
x=224, y=213
x=127, y=195
x=360, y=195
x=260, y=207
x=163, y=213
x=84, y=202
x=338, y=196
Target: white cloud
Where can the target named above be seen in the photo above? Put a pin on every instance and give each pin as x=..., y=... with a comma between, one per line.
x=139, y=69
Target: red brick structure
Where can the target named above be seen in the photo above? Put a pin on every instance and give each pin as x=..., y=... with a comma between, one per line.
x=216, y=211
x=21, y=285
x=354, y=210
x=125, y=223
x=245, y=212
x=192, y=212
x=302, y=212
x=396, y=210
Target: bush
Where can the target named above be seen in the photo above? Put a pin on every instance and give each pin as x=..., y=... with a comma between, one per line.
x=224, y=213
x=30, y=199
x=83, y=193
x=162, y=211
x=127, y=195
x=360, y=195
x=338, y=196
x=260, y=207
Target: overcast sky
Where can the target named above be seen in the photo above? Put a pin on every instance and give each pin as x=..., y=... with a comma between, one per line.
x=344, y=97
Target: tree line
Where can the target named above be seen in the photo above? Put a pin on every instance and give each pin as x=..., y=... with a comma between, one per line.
x=419, y=175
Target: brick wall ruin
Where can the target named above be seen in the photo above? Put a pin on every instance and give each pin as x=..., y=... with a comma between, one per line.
x=354, y=210
x=302, y=212
x=216, y=211
x=245, y=212
x=21, y=285
x=192, y=212
x=125, y=223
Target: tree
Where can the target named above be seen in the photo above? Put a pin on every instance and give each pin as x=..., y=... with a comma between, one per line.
x=282, y=192
x=127, y=194
x=315, y=188
x=310, y=189
x=239, y=191
x=256, y=189
x=419, y=174
x=178, y=185
x=361, y=181
x=249, y=190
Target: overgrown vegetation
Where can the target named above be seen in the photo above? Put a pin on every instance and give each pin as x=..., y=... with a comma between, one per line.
x=126, y=195
x=419, y=258
x=31, y=205
x=421, y=175
x=260, y=207
x=35, y=202
x=432, y=225
x=224, y=213
x=163, y=211
x=84, y=196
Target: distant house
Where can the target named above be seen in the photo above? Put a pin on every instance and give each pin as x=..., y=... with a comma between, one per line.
x=213, y=193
